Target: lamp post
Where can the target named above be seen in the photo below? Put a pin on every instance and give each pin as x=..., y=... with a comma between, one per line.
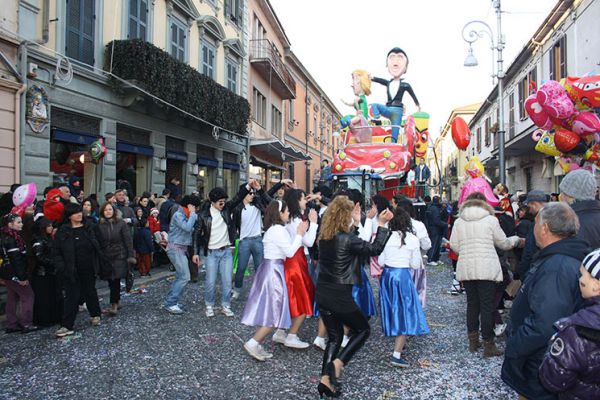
x=472, y=31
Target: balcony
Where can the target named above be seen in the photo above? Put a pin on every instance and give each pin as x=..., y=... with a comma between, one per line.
x=266, y=60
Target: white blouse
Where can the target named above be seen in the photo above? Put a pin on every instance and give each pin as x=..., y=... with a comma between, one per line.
x=421, y=232
x=277, y=244
x=309, y=237
x=396, y=255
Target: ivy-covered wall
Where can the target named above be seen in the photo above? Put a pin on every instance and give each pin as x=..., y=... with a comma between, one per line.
x=177, y=83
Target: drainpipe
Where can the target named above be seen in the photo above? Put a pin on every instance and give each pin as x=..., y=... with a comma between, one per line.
x=46, y=23
x=307, y=117
x=21, y=125
x=18, y=132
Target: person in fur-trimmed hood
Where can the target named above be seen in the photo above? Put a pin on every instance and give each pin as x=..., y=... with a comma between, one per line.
x=475, y=236
x=571, y=364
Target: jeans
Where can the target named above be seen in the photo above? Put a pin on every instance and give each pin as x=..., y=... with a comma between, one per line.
x=218, y=262
x=22, y=295
x=248, y=246
x=480, y=305
x=433, y=254
x=182, y=276
x=394, y=113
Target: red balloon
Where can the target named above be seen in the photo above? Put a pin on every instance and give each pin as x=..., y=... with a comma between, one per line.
x=461, y=133
x=565, y=140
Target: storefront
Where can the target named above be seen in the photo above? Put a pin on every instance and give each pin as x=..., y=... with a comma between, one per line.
x=176, y=160
x=134, y=157
x=231, y=173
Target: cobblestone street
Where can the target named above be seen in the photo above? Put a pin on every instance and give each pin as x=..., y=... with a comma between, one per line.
x=147, y=353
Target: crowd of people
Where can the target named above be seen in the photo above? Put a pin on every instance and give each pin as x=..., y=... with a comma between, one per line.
x=316, y=254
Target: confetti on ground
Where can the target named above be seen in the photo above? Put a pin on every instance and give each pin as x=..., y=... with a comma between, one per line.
x=145, y=352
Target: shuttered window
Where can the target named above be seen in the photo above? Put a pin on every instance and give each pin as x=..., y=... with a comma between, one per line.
x=138, y=19
x=81, y=21
x=178, y=39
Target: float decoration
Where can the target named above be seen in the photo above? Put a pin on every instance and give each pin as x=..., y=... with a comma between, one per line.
x=477, y=182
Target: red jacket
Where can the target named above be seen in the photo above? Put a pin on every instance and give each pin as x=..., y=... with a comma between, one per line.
x=153, y=224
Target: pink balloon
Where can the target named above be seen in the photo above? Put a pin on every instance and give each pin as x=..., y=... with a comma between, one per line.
x=537, y=113
x=586, y=123
x=23, y=197
x=554, y=100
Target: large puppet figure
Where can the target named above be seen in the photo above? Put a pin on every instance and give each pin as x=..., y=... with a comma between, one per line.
x=361, y=85
x=396, y=63
x=477, y=183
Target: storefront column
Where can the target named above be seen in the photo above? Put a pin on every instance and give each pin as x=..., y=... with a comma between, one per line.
x=191, y=180
x=219, y=157
x=157, y=179
x=34, y=158
x=107, y=177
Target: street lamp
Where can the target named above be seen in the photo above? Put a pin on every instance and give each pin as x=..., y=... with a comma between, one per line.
x=471, y=32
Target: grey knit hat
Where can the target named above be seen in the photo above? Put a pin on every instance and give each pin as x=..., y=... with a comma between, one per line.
x=579, y=184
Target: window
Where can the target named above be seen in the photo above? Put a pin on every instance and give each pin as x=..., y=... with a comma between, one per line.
x=528, y=180
x=291, y=120
x=479, y=140
x=178, y=39
x=558, y=59
x=532, y=81
x=260, y=108
x=208, y=59
x=511, y=115
x=231, y=75
x=233, y=12
x=488, y=134
x=258, y=31
x=138, y=19
x=81, y=23
x=523, y=94
x=315, y=127
x=275, y=121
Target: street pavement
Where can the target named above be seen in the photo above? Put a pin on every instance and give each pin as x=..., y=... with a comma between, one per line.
x=146, y=353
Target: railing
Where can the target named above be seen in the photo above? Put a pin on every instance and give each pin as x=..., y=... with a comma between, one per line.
x=263, y=49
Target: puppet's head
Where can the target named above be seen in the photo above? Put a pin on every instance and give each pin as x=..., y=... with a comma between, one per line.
x=397, y=62
x=361, y=83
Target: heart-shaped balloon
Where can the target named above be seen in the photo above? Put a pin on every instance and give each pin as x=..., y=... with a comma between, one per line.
x=565, y=140
x=554, y=100
x=461, y=135
x=537, y=113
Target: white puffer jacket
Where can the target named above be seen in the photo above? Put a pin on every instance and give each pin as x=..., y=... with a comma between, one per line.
x=474, y=236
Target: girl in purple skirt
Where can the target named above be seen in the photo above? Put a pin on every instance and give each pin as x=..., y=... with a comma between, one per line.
x=267, y=307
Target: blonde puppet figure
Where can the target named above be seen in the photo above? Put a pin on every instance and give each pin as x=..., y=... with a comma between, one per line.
x=361, y=85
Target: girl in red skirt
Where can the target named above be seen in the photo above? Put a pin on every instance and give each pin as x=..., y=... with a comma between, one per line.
x=299, y=284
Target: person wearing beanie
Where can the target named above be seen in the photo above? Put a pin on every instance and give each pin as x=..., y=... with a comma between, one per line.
x=153, y=222
x=570, y=365
x=578, y=189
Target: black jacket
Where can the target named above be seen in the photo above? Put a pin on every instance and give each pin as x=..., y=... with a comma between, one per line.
x=201, y=236
x=588, y=212
x=395, y=100
x=433, y=216
x=261, y=201
x=42, y=249
x=16, y=260
x=549, y=292
x=63, y=252
x=165, y=214
x=341, y=257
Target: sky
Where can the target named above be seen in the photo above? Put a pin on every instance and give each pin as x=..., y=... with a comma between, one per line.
x=334, y=37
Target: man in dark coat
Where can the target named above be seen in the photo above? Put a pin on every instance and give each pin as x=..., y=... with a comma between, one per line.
x=578, y=188
x=436, y=228
x=550, y=292
x=535, y=201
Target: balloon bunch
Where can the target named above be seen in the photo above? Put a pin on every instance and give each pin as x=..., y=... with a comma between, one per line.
x=567, y=114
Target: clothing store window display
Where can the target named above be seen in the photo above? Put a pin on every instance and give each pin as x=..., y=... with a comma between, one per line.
x=341, y=257
x=268, y=306
x=300, y=286
x=401, y=310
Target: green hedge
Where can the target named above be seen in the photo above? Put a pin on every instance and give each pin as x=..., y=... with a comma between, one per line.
x=177, y=83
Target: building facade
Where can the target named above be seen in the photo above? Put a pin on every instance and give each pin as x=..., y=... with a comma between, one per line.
x=161, y=121
x=566, y=44
x=11, y=88
x=446, y=159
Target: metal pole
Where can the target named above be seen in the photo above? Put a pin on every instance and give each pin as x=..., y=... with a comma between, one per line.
x=500, y=76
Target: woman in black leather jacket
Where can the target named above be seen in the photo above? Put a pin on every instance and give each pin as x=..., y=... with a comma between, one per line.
x=341, y=255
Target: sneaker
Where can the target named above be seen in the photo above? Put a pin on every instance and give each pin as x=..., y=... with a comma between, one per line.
x=82, y=307
x=398, y=362
x=30, y=328
x=499, y=329
x=210, y=312
x=279, y=336
x=264, y=353
x=508, y=304
x=226, y=311
x=293, y=342
x=235, y=294
x=95, y=321
x=345, y=341
x=320, y=343
x=432, y=263
x=175, y=310
x=62, y=332
x=254, y=351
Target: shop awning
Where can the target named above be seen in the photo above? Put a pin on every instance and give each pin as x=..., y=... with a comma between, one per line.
x=259, y=162
x=279, y=149
x=140, y=149
x=208, y=162
x=230, y=165
x=176, y=155
x=61, y=135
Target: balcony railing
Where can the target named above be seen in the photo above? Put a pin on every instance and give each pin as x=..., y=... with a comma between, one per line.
x=266, y=59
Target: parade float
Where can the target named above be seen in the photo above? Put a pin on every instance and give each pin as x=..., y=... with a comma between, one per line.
x=379, y=146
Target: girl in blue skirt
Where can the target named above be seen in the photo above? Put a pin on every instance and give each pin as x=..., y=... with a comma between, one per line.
x=401, y=311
